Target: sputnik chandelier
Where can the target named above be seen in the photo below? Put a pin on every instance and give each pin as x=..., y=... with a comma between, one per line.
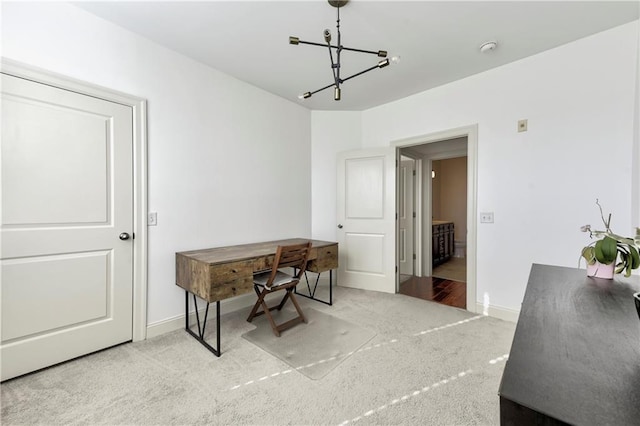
x=335, y=65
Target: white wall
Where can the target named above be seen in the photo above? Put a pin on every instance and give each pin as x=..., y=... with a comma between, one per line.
x=542, y=184
x=331, y=132
x=227, y=161
x=635, y=196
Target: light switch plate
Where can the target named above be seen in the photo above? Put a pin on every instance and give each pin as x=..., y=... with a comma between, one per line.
x=152, y=219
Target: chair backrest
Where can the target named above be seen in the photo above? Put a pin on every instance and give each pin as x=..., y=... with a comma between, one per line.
x=294, y=255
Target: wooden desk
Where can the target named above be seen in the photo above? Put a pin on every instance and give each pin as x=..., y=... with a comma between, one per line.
x=219, y=273
x=575, y=357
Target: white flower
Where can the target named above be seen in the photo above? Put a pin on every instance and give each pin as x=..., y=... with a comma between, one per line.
x=585, y=228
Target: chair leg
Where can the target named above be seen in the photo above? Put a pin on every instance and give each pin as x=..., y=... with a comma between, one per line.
x=267, y=313
x=260, y=301
x=295, y=303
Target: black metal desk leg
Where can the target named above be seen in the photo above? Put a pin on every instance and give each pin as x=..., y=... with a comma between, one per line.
x=330, y=287
x=312, y=292
x=200, y=335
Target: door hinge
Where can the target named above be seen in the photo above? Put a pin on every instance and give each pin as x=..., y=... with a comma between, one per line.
x=396, y=268
x=133, y=235
x=414, y=172
x=414, y=256
x=414, y=215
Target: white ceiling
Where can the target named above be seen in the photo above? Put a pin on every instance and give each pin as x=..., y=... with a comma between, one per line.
x=437, y=41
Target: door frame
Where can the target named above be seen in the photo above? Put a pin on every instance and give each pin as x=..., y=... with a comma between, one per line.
x=471, y=133
x=139, y=110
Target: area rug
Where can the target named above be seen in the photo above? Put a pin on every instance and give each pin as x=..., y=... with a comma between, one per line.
x=313, y=349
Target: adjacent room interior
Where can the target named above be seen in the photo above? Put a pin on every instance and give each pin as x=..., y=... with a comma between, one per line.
x=442, y=191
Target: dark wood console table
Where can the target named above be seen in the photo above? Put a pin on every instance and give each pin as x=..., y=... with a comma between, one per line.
x=219, y=273
x=575, y=357
x=442, y=234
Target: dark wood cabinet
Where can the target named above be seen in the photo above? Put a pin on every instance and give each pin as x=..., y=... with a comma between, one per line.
x=442, y=235
x=575, y=356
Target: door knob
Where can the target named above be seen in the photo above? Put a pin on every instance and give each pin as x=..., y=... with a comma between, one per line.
x=124, y=236
x=339, y=226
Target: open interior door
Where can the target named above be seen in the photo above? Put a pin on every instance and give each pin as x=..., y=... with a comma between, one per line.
x=406, y=217
x=366, y=219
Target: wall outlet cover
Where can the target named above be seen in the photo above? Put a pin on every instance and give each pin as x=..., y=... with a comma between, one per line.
x=486, y=217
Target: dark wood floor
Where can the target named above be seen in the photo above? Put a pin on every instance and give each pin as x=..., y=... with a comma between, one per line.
x=447, y=292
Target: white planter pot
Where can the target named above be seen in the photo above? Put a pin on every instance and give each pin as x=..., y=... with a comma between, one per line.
x=598, y=270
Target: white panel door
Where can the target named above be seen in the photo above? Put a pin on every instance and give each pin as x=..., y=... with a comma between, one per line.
x=366, y=219
x=67, y=195
x=405, y=217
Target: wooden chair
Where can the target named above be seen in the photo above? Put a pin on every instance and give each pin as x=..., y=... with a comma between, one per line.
x=268, y=282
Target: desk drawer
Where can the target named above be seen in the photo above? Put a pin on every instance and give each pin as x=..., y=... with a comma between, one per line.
x=213, y=282
x=227, y=272
x=325, y=259
x=229, y=289
x=230, y=279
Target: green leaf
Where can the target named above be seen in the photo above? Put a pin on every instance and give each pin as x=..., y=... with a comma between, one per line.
x=606, y=250
x=635, y=257
x=589, y=255
x=628, y=273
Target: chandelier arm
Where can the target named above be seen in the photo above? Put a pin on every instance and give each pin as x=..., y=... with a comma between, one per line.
x=360, y=73
x=316, y=44
x=324, y=88
x=379, y=53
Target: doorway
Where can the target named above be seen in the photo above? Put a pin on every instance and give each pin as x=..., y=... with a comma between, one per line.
x=443, y=206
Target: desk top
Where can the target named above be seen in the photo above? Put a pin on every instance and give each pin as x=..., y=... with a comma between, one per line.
x=246, y=251
x=576, y=351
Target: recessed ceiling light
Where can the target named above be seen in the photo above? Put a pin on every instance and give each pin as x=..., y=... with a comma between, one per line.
x=488, y=46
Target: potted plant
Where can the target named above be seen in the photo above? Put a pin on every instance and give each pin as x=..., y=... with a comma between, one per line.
x=611, y=253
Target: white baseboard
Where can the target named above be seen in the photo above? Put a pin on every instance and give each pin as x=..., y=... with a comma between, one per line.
x=499, y=312
x=177, y=323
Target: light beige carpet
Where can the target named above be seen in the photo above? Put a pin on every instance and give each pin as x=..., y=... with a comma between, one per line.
x=313, y=349
x=428, y=364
